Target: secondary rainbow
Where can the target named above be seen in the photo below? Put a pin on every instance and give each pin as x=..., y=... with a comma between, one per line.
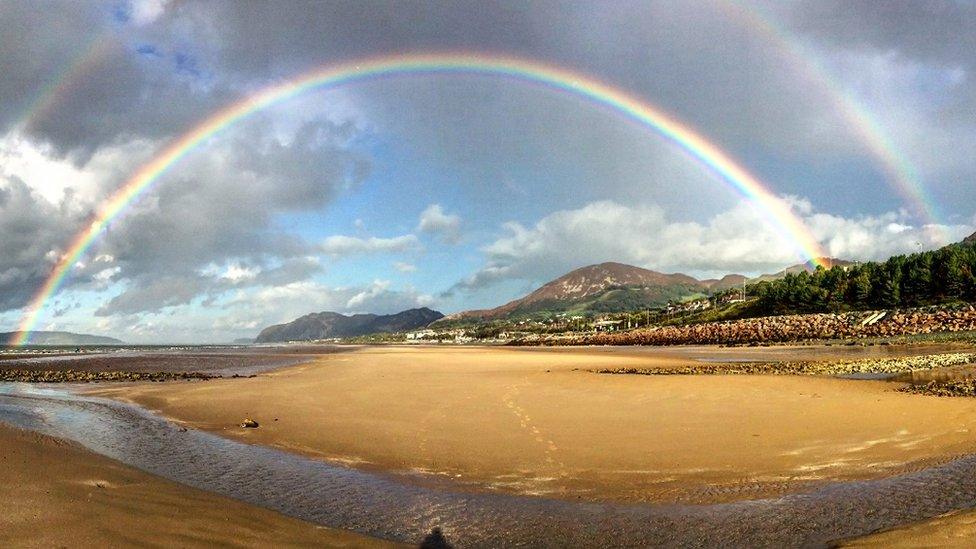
x=65, y=81
x=775, y=211
x=898, y=170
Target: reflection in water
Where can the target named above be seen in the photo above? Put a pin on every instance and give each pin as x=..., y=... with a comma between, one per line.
x=378, y=505
x=953, y=373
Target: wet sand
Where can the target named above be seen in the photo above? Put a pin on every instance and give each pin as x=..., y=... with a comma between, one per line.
x=210, y=361
x=955, y=530
x=57, y=494
x=536, y=423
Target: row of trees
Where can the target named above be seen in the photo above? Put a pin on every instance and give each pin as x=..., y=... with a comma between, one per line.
x=944, y=275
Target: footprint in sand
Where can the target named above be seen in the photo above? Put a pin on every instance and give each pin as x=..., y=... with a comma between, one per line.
x=525, y=422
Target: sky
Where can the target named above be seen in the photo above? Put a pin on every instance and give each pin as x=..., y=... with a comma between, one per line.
x=460, y=191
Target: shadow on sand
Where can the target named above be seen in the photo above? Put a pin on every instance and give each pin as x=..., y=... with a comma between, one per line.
x=435, y=540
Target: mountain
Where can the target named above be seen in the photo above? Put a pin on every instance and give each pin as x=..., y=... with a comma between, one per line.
x=607, y=287
x=616, y=287
x=727, y=282
x=64, y=338
x=327, y=325
x=971, y=239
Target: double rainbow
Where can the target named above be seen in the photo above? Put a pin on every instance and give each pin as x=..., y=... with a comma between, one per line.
x=776, y=212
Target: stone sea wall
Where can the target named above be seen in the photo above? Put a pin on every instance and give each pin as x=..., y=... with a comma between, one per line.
x=791, y=328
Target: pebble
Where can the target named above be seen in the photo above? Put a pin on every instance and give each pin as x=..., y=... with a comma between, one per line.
x=72, y=376
x=833, y=368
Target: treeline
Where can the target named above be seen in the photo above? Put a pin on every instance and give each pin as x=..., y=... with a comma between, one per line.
x=940, y=276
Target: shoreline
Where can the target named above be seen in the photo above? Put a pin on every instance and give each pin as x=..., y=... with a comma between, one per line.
x=545, y=469
x=385, y=507
x=302, y=389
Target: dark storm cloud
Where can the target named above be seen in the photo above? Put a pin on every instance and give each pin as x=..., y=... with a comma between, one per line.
x=692, y=58
x=77, y=78
x=31, y=229
x=251, y=37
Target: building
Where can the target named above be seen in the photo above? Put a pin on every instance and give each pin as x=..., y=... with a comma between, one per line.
x=607, y=325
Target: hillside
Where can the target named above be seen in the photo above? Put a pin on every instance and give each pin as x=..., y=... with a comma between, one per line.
x=727, y=282
x=604, y=288
x=64, y=338
x=616, y=287
x=326, y=325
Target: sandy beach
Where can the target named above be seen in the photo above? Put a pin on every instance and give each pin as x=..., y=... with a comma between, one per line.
x=57, y=494
x=538, y=423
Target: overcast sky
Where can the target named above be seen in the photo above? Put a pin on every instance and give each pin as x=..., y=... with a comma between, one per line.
x=451, y=191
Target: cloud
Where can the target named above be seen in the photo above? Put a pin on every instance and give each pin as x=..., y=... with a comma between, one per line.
x=341, y=245
x=214, y=209
x=151, y=294
x=78, y=83
x=154, y=294
x=378, y=296
x=243, y=312
x=937, y=31
x=404, y=267
x=735, y=241
x=909, y=66
x=147, y=11
x=434, y=220
x=289, y=301
x=219, y=209
x=32, y=232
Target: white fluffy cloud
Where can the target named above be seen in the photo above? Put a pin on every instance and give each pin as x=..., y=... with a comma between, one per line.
x=289, y=301
x=404, y=267
x=737, y=240
x=379, y=296
x=342, y=245
x=147, y=11
x=245, y=311
x=435, y=220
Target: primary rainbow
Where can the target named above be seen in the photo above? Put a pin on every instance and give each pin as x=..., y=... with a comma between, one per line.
x=776, y=211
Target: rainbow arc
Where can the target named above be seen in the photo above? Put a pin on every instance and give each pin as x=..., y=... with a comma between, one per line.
x=776, y=211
